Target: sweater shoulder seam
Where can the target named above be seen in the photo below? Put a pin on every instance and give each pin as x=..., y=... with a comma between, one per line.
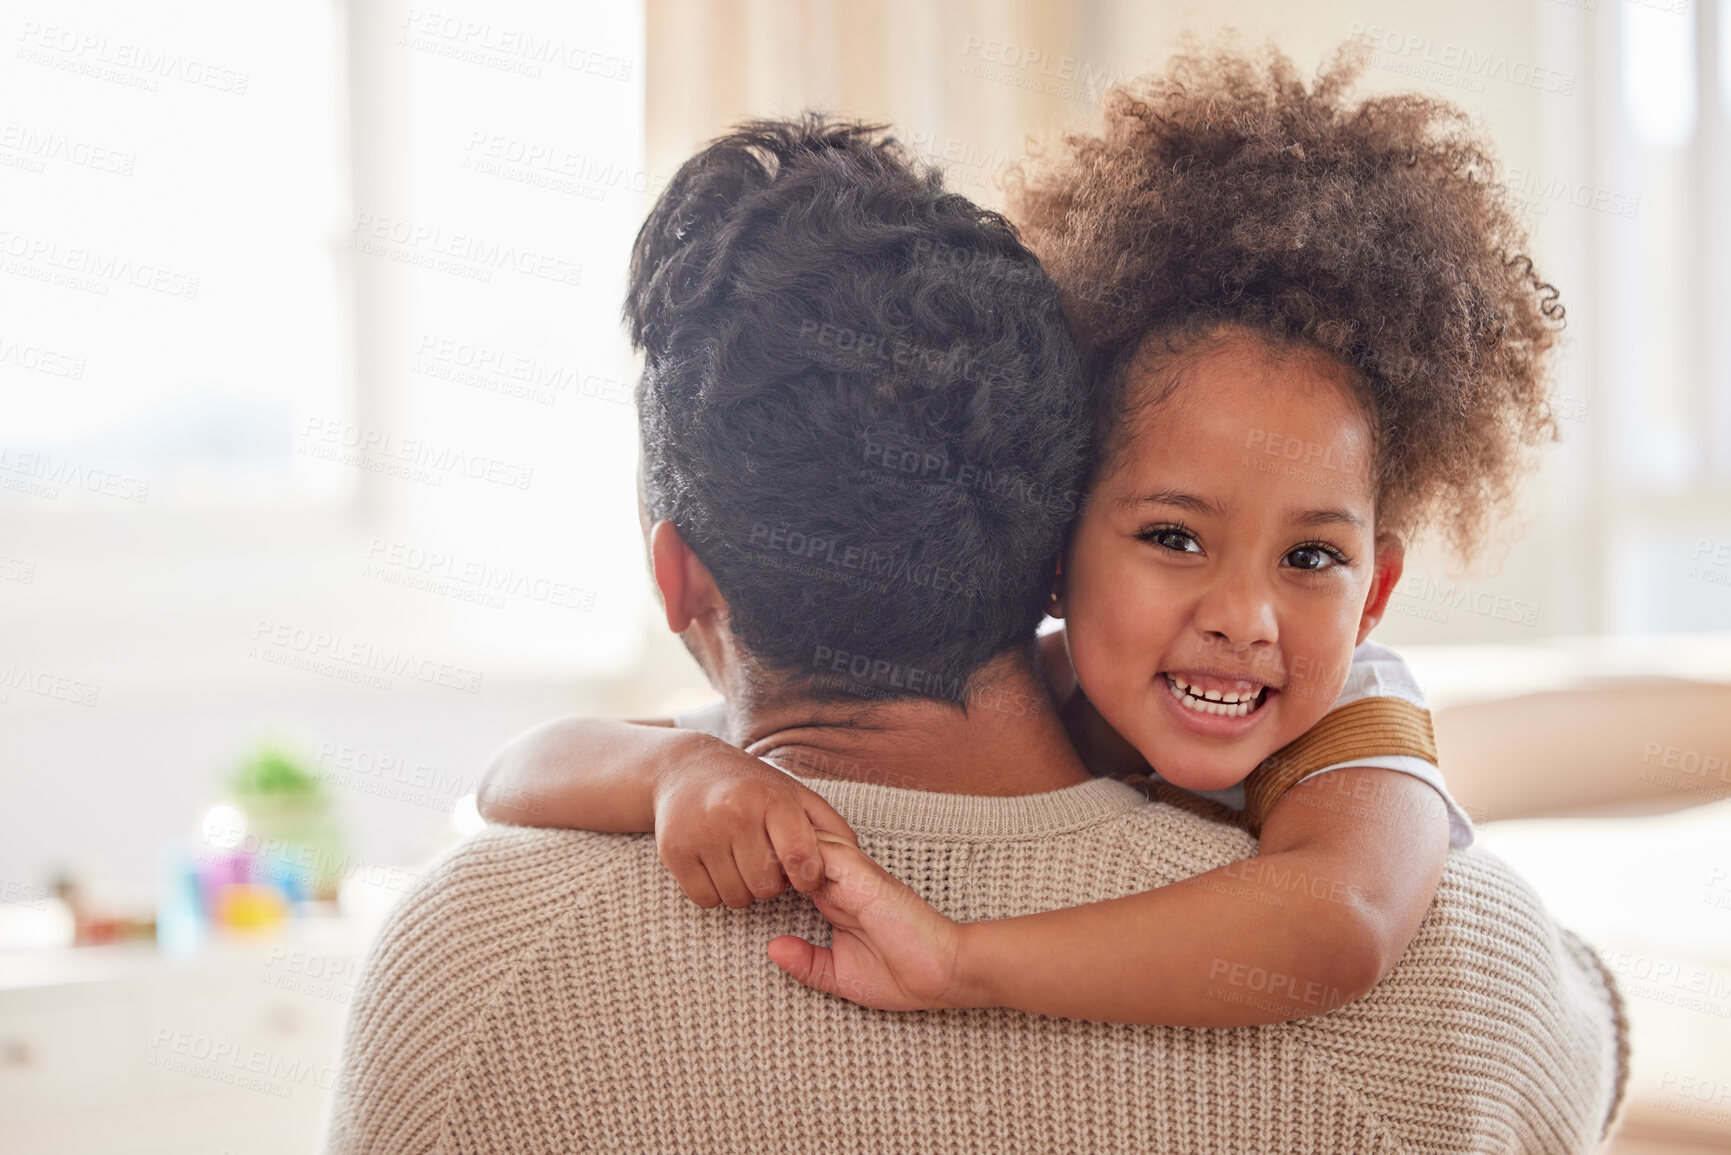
x=495, y=992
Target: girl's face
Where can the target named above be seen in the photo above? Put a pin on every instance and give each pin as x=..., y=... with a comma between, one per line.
x=1227, y=562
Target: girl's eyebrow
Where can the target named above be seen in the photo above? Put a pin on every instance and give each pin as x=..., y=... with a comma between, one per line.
x=1329, y=517
x=1189, y=501
x=1204, y=507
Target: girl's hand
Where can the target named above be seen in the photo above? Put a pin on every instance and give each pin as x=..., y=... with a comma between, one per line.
x=890, y=949
x=733, y=829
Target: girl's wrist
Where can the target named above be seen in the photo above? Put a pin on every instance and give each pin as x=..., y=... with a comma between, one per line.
x=976, y=968
x=672, y=765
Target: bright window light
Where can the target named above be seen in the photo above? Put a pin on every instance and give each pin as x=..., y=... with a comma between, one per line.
x=172, y=283
x=1659, y=73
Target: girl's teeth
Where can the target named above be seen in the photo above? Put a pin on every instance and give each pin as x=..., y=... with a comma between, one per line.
x=1215, y=702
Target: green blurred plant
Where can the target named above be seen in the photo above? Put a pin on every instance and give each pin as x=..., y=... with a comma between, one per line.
x=273, y=770
x=288, y=806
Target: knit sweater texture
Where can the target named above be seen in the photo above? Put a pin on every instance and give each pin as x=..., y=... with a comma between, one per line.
x=554, y=991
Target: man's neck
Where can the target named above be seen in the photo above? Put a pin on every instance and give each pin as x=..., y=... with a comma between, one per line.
x=1009, y=740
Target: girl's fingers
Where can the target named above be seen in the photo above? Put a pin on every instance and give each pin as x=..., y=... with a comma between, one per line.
x=844, y=862
x=825, y=817
x=693, y=879
x=796, y=848
x=724, y=873
x=758, y=865
x=699, y=889
x=855, y=886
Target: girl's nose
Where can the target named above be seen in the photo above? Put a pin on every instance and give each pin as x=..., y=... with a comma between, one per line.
x=1237, y=612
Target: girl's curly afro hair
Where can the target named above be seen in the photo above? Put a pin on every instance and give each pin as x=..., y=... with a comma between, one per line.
x=1223, y=192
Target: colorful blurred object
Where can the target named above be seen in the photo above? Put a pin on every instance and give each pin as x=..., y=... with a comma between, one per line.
x=268, y=848
x=101, y=917
x=251, y=906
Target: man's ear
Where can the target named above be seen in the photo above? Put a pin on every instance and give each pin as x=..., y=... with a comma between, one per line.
x=1390, y=561
x=687, y=590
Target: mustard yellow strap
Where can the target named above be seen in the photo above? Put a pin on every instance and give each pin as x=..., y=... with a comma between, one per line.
x=1369, y=727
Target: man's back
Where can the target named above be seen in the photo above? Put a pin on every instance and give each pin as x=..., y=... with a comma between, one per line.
x=554, y=991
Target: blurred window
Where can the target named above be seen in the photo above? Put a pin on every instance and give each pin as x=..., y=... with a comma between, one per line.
x=174, y=288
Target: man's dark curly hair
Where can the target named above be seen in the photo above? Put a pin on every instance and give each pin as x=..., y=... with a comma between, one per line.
x=861, y=407
x=1224, y=193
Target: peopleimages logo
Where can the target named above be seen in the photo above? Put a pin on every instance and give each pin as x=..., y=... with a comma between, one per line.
x=866, y=562
x=138, y=65
x=1020, y=66
x=1458, y=64
x=922, y=466
x=499, y=370
x=43, y=474
x=37, y=148
x=412, y=458
x=465, y=254
x=1431, y=598
x=851, y=350
x=43, y=684
x=517, y=50
x=322, y=652
x=273, y=1073
x=88, y=269
x=468, y=579
x=40, y=360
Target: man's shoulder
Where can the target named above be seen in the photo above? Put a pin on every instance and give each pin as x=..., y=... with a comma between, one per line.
x=487, y=900
x=1483, y=901
x=1492, y=925
x=509, y=874
x=1488, y=944
x=1496, y=1015
x=499, y=852
x=443, y=954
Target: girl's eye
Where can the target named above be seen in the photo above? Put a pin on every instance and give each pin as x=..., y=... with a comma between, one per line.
x=1168, y=537
x=1314, y=558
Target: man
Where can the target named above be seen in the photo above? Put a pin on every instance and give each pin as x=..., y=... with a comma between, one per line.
x=863, y=428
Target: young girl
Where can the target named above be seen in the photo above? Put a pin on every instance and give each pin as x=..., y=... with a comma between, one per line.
x=1311, y=335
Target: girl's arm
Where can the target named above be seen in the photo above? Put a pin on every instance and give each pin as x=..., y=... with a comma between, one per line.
x=1350, y=861
x=731, y=827
x=584, y=774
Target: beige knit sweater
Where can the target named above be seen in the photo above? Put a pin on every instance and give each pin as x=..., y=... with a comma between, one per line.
x=553, y=991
